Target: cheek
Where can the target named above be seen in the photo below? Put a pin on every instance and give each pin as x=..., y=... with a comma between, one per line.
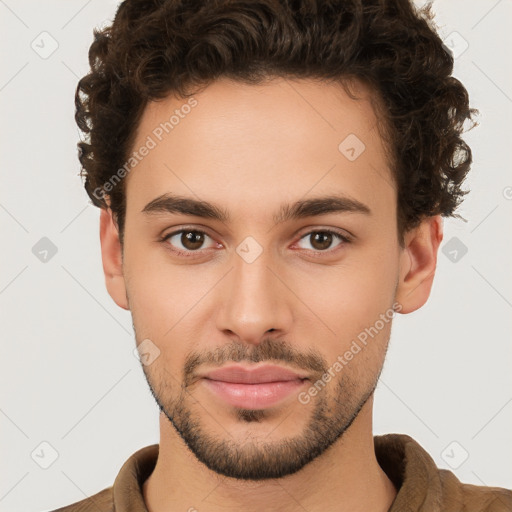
x=164, y=302
x=348, y=296
x=350, y=308
x=159, y=288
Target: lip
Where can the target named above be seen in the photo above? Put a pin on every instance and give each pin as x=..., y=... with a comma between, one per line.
x=257, y=388
x=253, y=396
x=246, y=375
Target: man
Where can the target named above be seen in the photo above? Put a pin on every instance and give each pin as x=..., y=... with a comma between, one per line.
x=272, y=177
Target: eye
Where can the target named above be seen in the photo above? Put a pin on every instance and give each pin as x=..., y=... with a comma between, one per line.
x=185, y=241
x=321, y=240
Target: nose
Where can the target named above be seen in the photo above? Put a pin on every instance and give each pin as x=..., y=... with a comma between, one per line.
x=254, y=300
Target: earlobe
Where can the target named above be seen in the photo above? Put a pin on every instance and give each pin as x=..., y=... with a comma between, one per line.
x=111, y=256
x=418, y=264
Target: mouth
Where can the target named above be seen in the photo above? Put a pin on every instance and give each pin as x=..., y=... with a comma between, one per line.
x=255, y=374
x=253, y=387
x=253, y=396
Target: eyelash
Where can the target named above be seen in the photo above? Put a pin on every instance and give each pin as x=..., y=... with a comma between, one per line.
x=189, y=254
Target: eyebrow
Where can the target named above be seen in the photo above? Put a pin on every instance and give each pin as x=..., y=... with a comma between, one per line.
x=171, y=203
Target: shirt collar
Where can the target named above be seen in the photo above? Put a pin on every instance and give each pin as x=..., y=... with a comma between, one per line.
x=127, y=488
x=410, y=468
x=413, y=472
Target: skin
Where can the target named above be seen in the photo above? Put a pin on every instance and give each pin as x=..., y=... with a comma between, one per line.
x=249, y=149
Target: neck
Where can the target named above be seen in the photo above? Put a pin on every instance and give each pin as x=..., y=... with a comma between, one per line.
x=346, y=477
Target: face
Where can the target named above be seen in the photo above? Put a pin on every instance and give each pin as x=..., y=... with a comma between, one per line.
x=255, y=279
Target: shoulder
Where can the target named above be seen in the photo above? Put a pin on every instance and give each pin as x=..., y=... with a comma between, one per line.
x=421, y=485
x=126, y=492
x=101, y=501
x=473, y=498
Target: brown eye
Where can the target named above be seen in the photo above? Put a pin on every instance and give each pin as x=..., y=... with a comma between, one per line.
x=186, y=241
x=322, y=240
x=192, y=240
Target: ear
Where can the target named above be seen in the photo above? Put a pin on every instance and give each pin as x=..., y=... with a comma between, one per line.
x=111, y=256
x=418, y=264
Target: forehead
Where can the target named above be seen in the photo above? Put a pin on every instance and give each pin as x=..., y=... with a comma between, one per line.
x=249, y=145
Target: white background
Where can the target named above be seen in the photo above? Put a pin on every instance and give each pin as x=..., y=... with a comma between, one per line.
x=68, y=374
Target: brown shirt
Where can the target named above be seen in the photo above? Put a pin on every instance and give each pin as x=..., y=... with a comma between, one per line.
x=422, y=487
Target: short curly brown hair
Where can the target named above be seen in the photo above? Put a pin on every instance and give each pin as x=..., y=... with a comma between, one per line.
x=157, y=47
